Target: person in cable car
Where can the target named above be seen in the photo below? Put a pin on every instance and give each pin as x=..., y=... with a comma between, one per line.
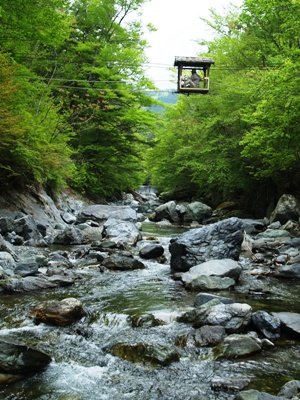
x=193, y=81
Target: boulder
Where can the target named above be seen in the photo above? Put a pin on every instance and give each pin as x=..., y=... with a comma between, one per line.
x=7, y=247
x=221, y=268
x=280, y=234
x=235, y=346
x=18, y=361
x=92, y=234
x=203, y=298
x=288, y=207
x=267, y=324
x=121, y=232
x=6, y=225
x=233, y=317
x=151, y=251
x=32, y=283
x=204, y=282
x=252, y=226
x=101, y=212
x=7, y=262
x=209, y=335
x=289, y=271
x=196, y=211
x=27, y=267
x=166, y=211
x=145, y=352
x=212, y=275
x=69, y=236
x=291, y=390
x=217, y=241
x=68, y=218
x=292, y=227
x=120, y=262
x=27, y=228
x=61, y=313
x=145, y=321
x=290, y=322
x=256, y=395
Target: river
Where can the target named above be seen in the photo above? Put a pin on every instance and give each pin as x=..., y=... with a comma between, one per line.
x=83, y=369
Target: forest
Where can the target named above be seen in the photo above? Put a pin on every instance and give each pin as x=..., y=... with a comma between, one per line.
x=75, y=109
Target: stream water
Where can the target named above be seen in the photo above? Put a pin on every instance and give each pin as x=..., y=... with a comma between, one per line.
x=83, y=369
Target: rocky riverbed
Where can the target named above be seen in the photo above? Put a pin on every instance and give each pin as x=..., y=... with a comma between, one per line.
x=99, y=303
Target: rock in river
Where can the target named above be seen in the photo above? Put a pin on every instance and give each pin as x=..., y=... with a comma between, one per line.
x=56, y=312
x=145, y=352
x=290, y=322
x=256, y=395
x=233, y=317
x=119, y=262
x=267, y=324
x=17, y=361
x=235, y=346
x=213, y=275
x=151, y=251
x=121, y=232
x=216, y=241
x=101, y=212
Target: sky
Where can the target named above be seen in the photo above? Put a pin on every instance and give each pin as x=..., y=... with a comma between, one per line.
x=179, y=27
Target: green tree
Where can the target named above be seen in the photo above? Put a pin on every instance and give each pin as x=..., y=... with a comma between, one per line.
x=101, y=83
x=245, y=133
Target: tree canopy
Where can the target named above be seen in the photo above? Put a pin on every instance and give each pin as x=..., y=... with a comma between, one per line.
x=73, y=94
x=245, y=133
x=74, y=108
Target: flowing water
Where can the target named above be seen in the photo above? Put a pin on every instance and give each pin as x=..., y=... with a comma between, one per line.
x=83, y=369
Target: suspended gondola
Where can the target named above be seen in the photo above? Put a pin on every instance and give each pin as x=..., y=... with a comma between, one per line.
x=193, y=74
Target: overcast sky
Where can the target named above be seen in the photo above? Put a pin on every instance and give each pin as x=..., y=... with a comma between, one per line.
x=179, y=28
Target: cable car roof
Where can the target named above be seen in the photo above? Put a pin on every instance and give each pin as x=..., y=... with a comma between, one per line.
x=193, y=61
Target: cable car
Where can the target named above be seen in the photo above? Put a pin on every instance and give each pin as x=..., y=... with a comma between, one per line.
x=193, y=74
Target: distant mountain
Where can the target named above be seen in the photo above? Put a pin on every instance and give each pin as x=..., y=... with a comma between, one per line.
x=166, y=97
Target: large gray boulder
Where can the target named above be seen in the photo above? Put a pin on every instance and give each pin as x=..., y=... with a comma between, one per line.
x=217, y=241
x=203, y=298
x=7, y=262
x=69, y=236
x=288, y=207
x=203, y=282
x=256, y=395
x=267, y=324
x=121, y=232
x=119, y=262
x=221, y=268
x=197, y=211
x=29, y=229
x=289, y=271
x=27, y=267
x=233, y=317
x=145, y=352
x=166, y=211
x=18, y=361
x=236, y=345
x=7, y=247
x=151, y=250
x=33, y=283
x=209, y=335
x=290, y=322
x=291, y=390
x=101, y=212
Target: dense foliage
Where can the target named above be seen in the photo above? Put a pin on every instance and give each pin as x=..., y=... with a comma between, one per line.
x=246, y=133
x=72, y=105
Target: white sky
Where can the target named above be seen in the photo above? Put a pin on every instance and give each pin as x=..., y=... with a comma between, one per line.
x=179, y=28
